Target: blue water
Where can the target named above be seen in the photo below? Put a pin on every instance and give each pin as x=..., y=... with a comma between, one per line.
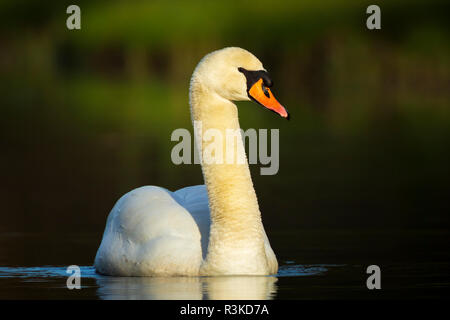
x=288, y=270
x=195, y=288
x=414, y=264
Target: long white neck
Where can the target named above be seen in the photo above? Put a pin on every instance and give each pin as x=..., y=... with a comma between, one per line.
x=236, y=241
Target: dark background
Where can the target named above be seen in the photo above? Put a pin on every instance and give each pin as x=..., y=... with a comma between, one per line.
x=86, y=116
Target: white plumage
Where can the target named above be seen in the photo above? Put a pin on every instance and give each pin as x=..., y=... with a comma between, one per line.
x=200, y=230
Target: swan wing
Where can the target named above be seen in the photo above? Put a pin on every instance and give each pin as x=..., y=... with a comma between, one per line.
x=195, y=200
x=149, y=233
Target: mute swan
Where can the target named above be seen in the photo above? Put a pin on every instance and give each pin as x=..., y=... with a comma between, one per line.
x=152, y=231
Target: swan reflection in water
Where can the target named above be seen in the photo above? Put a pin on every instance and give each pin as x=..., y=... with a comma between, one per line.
x=200, y=288
x=187, y=288
x=167, y=288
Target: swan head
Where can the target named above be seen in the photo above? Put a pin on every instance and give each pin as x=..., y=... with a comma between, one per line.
x=236, y=74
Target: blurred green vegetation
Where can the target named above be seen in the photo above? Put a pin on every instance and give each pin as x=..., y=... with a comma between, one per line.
x=87, y=115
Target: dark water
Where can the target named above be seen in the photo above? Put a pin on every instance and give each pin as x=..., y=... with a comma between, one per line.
x=314, y=264
x=87, y=116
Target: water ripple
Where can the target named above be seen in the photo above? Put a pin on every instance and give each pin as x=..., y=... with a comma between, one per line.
x=288, y=270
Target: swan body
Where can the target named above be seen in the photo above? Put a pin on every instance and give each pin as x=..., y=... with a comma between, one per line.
x=211, y=229
x=140, y=241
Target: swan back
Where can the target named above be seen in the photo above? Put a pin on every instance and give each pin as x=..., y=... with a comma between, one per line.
x=149, y=233
x=195, y=200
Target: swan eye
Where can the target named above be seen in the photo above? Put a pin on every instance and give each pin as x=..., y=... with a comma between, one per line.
x=266, y=92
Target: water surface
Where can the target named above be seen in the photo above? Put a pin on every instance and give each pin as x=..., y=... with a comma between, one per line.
x=322, y=264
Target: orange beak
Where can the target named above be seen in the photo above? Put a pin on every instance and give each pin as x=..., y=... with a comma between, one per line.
x=264, y=97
